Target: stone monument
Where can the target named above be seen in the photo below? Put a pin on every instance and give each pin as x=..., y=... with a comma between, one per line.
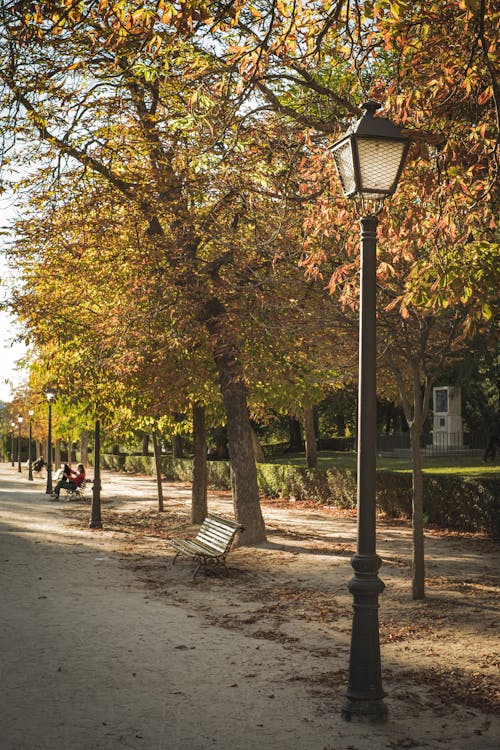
x=447, y=424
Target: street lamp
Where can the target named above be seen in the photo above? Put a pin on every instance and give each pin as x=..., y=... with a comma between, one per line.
x=13, y=426
x=30, y=468
x=19, y=422
x=49, y=395
x=369, y=159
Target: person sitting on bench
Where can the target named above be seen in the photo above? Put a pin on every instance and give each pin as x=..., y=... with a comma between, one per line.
x=70, y=481
x=38, y=464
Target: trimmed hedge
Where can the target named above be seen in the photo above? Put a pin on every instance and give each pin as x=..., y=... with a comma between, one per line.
x=463, y=503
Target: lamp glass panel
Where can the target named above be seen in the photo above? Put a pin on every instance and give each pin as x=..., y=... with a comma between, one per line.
x=379, y=163
x=345, y=166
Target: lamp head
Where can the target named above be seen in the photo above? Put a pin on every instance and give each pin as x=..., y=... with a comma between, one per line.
x=50, y=394
x=20, y=419
x=370, y=157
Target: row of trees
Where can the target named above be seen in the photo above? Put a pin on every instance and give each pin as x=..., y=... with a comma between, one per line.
x=184, y=252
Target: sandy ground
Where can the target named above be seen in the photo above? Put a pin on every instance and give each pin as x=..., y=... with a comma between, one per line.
x=105, y=645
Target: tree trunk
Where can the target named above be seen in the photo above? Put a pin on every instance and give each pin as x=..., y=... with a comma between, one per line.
x=418, y=580
x=84, y=447
x=295, y=435
x=157, y=454
x=415, y=415
x=310, y=437
x=57, y=454
x=95, y=511
x=177, y=448
x=199, y=507
x=247, y=510
x=258, y=453
x=145, y=444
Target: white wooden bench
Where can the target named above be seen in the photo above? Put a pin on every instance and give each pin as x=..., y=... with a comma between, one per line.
x=212, y=543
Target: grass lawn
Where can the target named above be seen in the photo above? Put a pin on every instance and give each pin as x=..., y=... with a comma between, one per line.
x=465, y=465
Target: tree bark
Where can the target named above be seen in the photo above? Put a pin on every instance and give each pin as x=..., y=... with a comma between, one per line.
x=258, y=453
x=145, y=443
x=177, y=449
x=157, y=455
x=415, y=415
x=84, y=447
x=295, y=435
x=247, y=510
x=95, y=510
x=418, y=578
x=310, y=438
x=57, y=454
x=199, y=507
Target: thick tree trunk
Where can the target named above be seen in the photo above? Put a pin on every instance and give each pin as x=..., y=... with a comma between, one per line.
x=199, y=507
x=95, y=510
x=157, y=454
x=145, y=443
x=247, y=510
x=418, y=580
x=310, y=437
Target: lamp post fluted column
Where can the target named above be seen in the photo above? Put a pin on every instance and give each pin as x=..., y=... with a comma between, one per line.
x=364, y=696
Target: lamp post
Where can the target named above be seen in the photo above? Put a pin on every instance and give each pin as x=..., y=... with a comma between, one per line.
x=30, y=468
x=369, y=159
x=49, y=395
x=19, y=422
x=13, y=426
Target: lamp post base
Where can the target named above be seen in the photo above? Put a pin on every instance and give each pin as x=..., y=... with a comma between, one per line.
x=371, y=711
x=364, y=696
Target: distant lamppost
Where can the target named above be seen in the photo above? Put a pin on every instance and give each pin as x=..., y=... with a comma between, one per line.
x=13, y=426
x=30, y=468
x=19, y=422
x=49, y=395
x=369, y=159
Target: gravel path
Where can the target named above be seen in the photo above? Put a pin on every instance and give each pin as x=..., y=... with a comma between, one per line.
x=94, y=659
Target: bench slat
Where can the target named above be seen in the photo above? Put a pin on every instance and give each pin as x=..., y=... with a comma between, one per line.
x=215, y=538
x=222, y=536
x=196, y=543
x=197, y=552
x=217, y=528
x=193, y=548
x=225, y=521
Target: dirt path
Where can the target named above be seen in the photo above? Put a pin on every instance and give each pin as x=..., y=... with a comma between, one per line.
x=105, y=645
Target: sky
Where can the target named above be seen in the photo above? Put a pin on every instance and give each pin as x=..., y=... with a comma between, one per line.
x=9, y=352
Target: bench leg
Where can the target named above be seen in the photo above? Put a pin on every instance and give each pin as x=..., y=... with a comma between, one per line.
x=175, y=558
